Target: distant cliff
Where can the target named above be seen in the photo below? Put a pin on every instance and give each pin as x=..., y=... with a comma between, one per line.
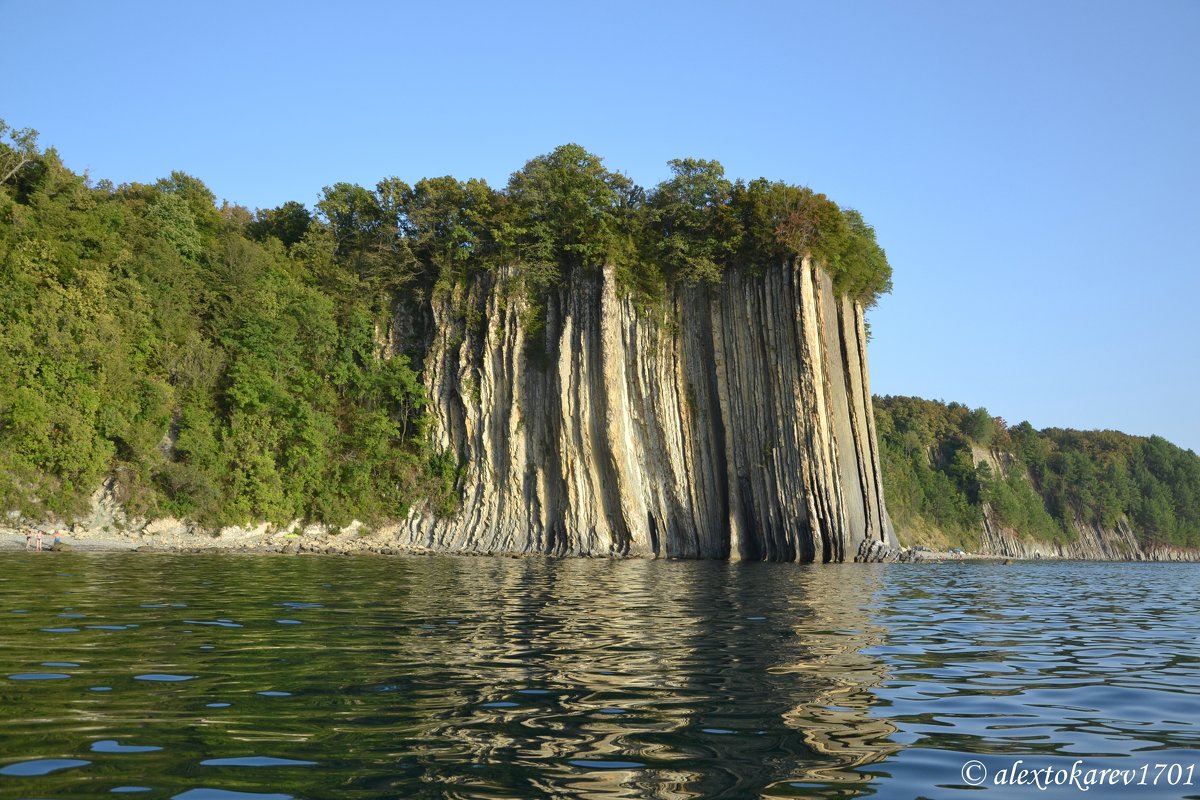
x=734, y=422
x=1089, y=542
x=960, y=477
x=1084, y=538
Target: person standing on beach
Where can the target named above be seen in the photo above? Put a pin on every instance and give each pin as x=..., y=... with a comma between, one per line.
x=37, y=538
x=28, y=538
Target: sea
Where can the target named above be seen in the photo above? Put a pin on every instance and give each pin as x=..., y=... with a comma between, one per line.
x=223, y=677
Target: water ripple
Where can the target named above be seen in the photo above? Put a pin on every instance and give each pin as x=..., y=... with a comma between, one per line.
x=38, y=676
x=227, y=794
x=256, y=761
x=112, y=746
x=44, y=766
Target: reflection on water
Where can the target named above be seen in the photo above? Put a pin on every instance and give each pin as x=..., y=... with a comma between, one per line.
x=441, y=676
x=198, y=676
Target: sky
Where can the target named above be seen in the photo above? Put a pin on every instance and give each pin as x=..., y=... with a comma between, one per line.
x=1032, y=167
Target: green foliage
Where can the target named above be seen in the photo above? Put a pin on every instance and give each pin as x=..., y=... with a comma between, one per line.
x=929, y=474
x=222, y=367
x=1051, y=479
x=288, y=223
x=695, y=229
x=19, y=150
x=979, y=426
x=565, y=212
x=1017, y=505
x=173, y=220
x=781, y=221
x=448, y=224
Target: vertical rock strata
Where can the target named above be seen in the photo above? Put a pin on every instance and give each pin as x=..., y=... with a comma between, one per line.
x=736, y=423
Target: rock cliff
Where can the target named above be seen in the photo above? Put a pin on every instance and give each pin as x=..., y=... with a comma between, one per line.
x=734, y=422
x=1092, y=542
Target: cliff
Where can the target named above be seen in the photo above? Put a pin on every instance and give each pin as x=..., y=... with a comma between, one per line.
x=993, y=535
x=1092, y=543
x=1089, y=541
x=736, y=422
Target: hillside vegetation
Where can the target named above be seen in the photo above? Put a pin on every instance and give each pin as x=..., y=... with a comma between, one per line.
x=937, y=484
x=227, y=366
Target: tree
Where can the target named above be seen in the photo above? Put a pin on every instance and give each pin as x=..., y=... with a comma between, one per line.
x=352, y=213
x=695, y=228
x=19, y=150
x=979, y=426
x=568, y=210
x=367, y=234
x=173, y=220
x=813, y=225
x=199, y=198
x=448, y=223
x=861, y=268
x=288, y=223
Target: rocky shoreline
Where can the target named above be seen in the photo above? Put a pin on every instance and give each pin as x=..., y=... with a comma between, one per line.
x=877, y=552
x=172, y=536
x=179, y=538
x=108, y=528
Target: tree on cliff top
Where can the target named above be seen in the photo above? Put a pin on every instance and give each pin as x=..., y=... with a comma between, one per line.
x=19, y=150
x=693, y=229
x=565, y=211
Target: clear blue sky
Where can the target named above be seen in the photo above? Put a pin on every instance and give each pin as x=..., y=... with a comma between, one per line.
x=1031, y=167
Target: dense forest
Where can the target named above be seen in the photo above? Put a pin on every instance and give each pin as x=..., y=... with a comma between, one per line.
x=943, y=463
x=226, y=366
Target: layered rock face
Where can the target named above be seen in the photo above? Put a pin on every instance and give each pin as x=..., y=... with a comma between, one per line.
x=737, y=423
x=1091, y=543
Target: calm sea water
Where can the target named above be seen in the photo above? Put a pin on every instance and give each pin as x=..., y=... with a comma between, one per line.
x=215, y=677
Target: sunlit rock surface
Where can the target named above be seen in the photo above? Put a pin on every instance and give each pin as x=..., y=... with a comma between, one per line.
x=736, y=422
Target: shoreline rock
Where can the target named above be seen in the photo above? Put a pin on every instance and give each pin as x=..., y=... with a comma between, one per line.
x=385, y=543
